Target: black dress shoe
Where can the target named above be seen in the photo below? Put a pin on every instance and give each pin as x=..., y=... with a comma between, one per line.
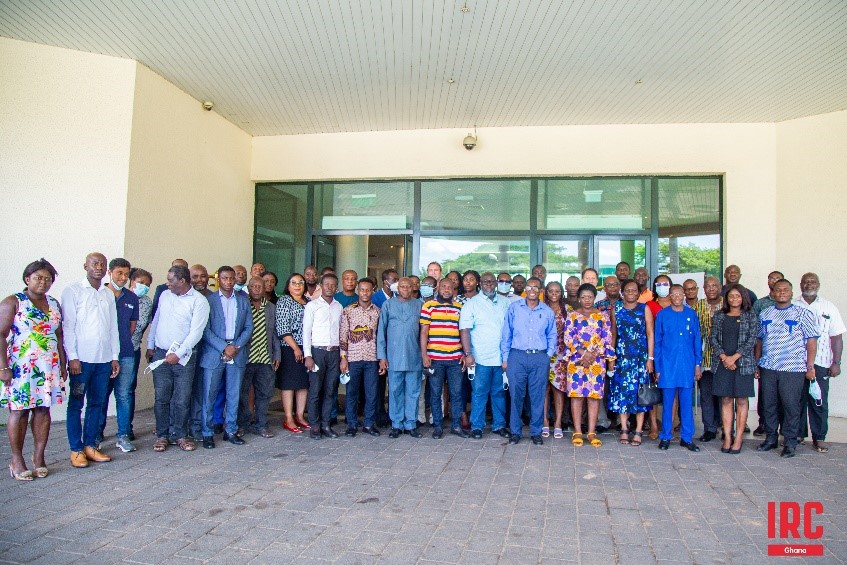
x=689, y=445
x=600, y=429
x=725, y=450
x=329, y=432
x=476, y=434
x=665, y=444
x=315, y=434
x=234, y=440
x=537, y=440
x=746, y=429
x=515, y=439
x=395, y=433
x=333, y=421
x=351, y=432
x=760, y=431
x=503, y=432
x=208, y=442
x=437, y=433
x=218, y=428
x=787, y=452
x=414, y=433
x=372, y=431
x=766, y=446
x=708, y=436
x=460, y=432
x=735, y=451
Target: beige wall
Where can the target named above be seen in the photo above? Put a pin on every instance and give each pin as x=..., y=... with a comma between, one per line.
x=65, y=120
x=190, y=194
x=744, y=153
x=811, y=207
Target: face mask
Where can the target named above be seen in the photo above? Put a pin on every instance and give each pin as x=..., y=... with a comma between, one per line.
x=394, y=287
x=118, y=286
x=427, y=291
x=504, y=287
x=240, y=287
x=815, y=392
x=663, y=291
x=141, y=289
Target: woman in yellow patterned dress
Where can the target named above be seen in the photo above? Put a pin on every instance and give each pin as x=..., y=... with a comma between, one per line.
x=32, y=365
x=588, y=348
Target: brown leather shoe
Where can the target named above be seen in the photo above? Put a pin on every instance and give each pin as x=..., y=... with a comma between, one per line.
x=78, y=459
x=94, y=455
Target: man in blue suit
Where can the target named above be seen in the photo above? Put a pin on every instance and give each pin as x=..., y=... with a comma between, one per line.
x=224, y=354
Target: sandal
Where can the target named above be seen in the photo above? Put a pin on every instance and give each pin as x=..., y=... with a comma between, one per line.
x=160, y=445
x=593, y=440
x=40, y=472
x=186, y=444
x=576, y=439
x=654, y=434
x=635, y=440
x=820, y=446
x=623, y=438
x=545, y=431
x=557, y=433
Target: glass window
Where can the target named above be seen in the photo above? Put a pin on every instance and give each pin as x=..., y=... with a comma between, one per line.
x=689, y=226
x=280, y=237
x=564, y=258
x=594, y=204
x=611, y=251
x=364, y=206
x=481, y=253
x=501, y=204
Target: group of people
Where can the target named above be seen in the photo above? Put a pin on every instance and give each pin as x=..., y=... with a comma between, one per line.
x=489, y=346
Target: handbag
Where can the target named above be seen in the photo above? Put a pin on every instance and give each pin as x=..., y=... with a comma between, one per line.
x=649, y=394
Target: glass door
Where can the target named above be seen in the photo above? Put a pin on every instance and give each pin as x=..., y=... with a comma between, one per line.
x=565, y=256
x=610, y=250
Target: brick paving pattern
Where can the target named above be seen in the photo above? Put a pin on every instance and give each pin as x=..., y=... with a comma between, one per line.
x=291, y=499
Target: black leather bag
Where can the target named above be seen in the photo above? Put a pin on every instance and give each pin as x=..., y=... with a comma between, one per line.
x=649, y=394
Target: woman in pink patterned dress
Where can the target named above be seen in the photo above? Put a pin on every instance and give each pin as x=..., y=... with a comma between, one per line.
x=32, y=365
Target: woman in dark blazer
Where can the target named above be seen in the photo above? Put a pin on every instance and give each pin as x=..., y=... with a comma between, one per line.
x=735, y=328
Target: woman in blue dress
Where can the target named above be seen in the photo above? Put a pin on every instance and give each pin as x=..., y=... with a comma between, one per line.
x=634, y=349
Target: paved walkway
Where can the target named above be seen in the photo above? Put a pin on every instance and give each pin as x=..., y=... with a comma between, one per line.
x=291, y=499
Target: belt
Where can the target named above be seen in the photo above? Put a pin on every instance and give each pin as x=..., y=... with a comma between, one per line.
x=326, y=348
x=532, y=351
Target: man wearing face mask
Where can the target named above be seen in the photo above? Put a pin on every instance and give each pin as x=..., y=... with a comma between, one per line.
x=123, y=385
x=200, y=279
x=504, y=286
x=481, y=326
x=140, y=282
x=427, y=289
x=710, y=405
x=240, y=280
x=389, y=287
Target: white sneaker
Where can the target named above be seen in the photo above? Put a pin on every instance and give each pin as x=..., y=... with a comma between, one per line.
x=124, y=444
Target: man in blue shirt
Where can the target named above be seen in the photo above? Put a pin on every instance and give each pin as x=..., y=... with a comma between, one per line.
x=527, y=343
x=481, y=326
x=124, y=384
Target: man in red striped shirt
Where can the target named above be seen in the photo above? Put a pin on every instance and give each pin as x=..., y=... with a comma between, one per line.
x=441, y=353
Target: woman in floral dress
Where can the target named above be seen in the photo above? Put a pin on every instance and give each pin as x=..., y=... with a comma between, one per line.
x=32, y=367
x=588, y=347
x=634, y=361
x=554, y=296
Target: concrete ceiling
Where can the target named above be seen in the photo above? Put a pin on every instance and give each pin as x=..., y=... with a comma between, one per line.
x=288, y=67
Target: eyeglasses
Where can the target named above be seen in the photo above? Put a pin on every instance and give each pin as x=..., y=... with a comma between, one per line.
x=663, y=284
x=297, y=283
x=532, y=287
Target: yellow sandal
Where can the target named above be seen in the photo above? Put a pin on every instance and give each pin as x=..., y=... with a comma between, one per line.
x=592, y=439
x=576, y=439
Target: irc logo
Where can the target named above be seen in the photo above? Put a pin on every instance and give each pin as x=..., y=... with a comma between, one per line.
x=794, y=522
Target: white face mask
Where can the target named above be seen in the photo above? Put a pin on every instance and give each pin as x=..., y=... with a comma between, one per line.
x=427, y=291
x=815, y=392
x=504, y=287
x=395, y=287
x=663, y=291
x=141, y=289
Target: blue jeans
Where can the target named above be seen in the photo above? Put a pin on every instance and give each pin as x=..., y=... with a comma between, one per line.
x=172, y=385
x=452, y=372
x=124, y=387
x=362, y=374
x=226, y=377
x=404, y=389
x=89, y=389
x=528, y=377
x=220, y=402
x=686, y=413
x=488, y=383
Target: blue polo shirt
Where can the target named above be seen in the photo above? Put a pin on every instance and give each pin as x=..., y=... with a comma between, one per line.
x=127, y=305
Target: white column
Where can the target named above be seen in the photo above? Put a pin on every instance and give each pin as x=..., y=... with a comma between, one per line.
x=352, y=253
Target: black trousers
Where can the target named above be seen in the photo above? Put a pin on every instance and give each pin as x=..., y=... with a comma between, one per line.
x=322, y=384
x=812, y=415
x=789, y=388
x=261, y=377
x=710, y=405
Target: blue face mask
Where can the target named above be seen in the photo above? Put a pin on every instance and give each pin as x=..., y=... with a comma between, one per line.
x=663, y=290
x=141, y=289
x=427, y=291
x=117, y=286
x=504, y=287
x=240, y=287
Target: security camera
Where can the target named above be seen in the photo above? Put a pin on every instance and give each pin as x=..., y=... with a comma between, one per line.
x=208, y=105
x=469, y=142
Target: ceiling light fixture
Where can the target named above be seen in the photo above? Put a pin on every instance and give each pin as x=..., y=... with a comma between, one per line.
x=465, y=8
x=639, y=81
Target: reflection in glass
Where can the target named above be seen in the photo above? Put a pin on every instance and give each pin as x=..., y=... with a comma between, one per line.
x=594, y=204
x=280, y=237
x=564, y=258
x=613, y=251
x=501, y=204
x=695, y=254
x=364, y=206
x=481, y=253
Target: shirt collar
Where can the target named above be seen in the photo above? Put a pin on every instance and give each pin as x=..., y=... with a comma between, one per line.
x=222, y=295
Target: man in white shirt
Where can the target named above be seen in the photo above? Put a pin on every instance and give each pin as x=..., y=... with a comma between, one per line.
x=92, y=346
x=827, y=359
x=321, y=327
x=174, y=334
